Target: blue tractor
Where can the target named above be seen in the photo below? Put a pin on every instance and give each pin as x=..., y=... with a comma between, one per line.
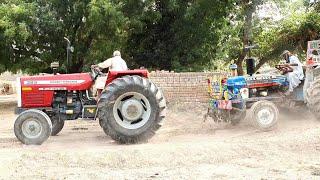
x=260, y=95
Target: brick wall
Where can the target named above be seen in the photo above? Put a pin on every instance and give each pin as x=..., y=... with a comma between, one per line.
x=183, y=87
x=177, y=87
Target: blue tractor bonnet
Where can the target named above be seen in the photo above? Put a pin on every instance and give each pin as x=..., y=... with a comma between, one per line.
x=234, y=84
x=237, y=82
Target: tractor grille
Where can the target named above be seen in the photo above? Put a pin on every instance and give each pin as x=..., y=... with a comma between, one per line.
x=34, y=98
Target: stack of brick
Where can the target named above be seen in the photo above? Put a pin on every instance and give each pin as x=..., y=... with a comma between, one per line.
x=184, y=87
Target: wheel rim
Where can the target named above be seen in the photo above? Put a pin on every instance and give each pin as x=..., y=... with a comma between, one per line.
x=31, y=128
x=132, y=110
x=265, y=116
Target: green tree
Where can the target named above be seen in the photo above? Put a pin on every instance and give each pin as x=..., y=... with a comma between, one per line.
x=176, y=34
x=302, y=24
x=246, y=27
x=167, y=34
x=33, y=32
x=180, y=35
x=299, y=23
x=14, y=20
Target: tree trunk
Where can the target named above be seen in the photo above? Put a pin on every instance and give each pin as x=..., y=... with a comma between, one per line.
x=239, y=63
x=261, y=63
x=249, y=8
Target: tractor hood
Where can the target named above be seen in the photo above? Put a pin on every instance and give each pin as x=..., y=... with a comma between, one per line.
x=266, y=80
x=257, y=81
x=236, y=82
x=80, y=81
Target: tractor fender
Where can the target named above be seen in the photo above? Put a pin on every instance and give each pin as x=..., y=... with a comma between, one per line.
x=112, y=75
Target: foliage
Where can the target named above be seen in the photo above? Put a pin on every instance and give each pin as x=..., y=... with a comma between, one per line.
x=177, y=35
x=291, y=33
x=298, y=24
x=180, y=35
x=13, y=30
x=33, y=32
x=166, y=34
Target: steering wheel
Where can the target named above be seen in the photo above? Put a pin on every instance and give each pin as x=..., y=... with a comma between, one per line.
x=95, y=72
x=278, y=67
x=284, y=69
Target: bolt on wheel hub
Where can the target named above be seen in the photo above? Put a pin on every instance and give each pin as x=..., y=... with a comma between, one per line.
x=265, y=116
x=31, y=128
x=132, y=110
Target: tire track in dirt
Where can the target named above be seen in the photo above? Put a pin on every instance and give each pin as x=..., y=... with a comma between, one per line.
x=184, y=147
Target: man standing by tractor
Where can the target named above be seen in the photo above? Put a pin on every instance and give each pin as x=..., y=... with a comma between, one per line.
x=295, y=71
x=116, y=63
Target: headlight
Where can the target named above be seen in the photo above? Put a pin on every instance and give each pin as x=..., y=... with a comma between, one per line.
x=18, y=89
x=244, y=93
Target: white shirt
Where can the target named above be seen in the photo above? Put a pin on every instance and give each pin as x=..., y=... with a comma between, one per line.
x=114, y=64
x=298, y=70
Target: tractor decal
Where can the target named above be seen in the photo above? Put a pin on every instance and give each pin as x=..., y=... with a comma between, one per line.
x=54, y=82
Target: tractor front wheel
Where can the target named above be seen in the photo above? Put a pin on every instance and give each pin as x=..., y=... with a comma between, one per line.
x=264, y=115
x=131, y=109
x=32, y=127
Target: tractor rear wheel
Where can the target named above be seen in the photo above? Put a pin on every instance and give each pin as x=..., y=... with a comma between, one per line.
x=313, y=98
x=264, y=115
x=57, y=125
x=32, y=127
x=131, y=109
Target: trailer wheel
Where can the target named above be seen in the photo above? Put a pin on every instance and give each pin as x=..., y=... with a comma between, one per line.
x=32, y=127
x=131, y=109
x=264, y=115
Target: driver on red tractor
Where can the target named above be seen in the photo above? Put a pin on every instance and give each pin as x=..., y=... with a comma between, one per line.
x=116, y=63
x=293, y=69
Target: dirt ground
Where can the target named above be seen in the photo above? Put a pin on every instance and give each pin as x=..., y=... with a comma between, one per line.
x=184, y=148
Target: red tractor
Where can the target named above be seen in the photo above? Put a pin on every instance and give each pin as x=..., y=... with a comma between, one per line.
x=130, y=108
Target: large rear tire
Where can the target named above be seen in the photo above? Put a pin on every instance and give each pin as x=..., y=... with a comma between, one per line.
x=313, y=98
x=131, y=109
x=32, y=127
x=264, y=115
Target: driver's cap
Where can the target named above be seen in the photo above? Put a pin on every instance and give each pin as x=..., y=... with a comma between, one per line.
x=116, y=53
x=233, y=67
x=284, y=53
